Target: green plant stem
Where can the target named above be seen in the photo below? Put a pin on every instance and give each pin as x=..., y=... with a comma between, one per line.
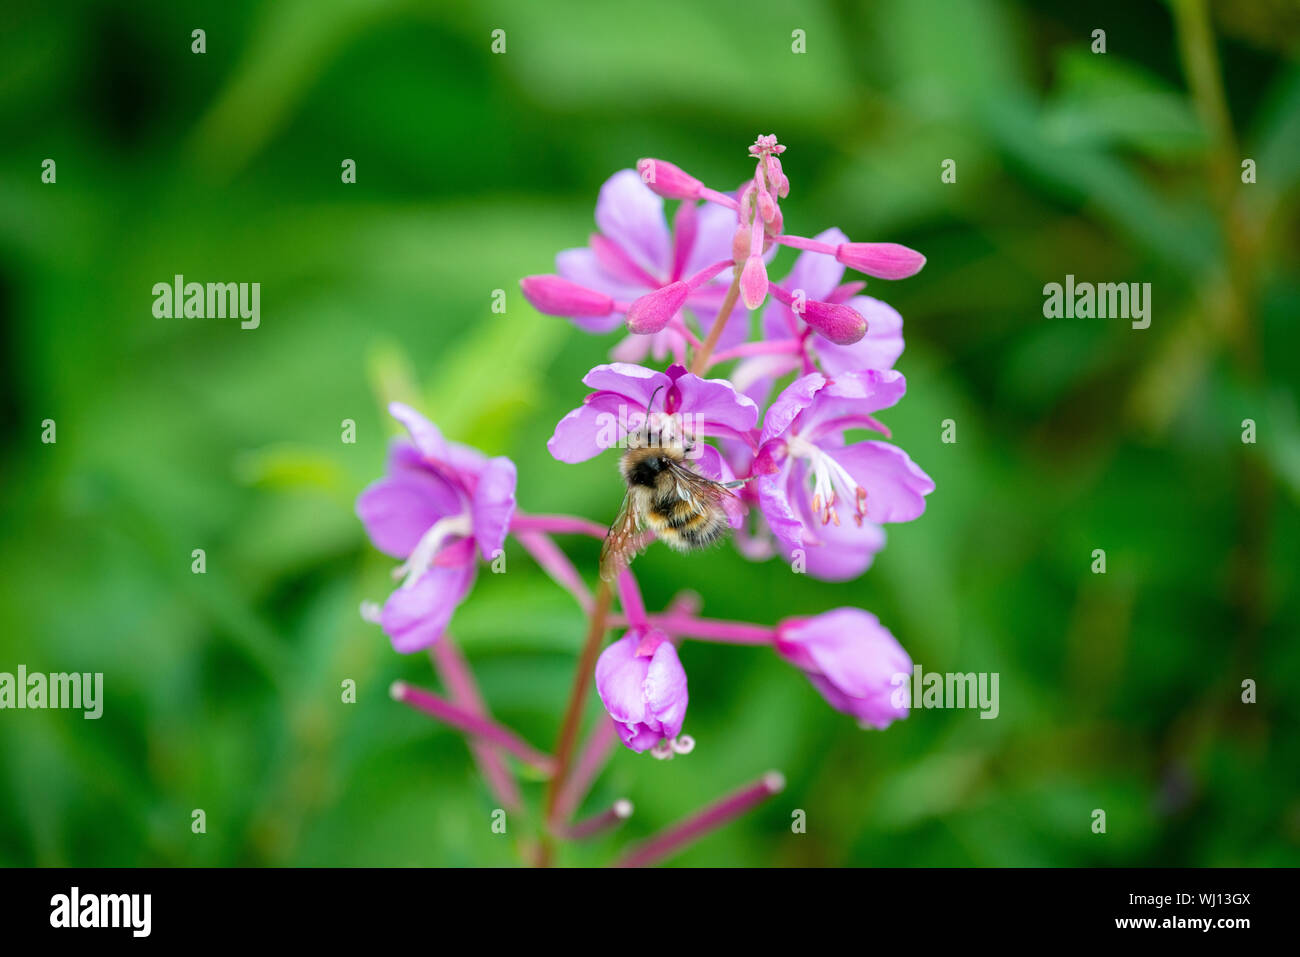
x=701, y=363
x=567, y=739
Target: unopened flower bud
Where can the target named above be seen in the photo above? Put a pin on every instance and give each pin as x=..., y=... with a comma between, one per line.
x=653, y=311
x=753, y=283
x=839, y=323
x=557, y=296
x=668, y=181
x=740, y=243
x=776, y=178
x=776, y=226
x=882, y=260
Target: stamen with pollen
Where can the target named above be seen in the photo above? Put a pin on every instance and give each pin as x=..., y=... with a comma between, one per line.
x=427, y=548
x=829, y=480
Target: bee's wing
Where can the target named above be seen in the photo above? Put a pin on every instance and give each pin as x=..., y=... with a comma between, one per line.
x=622, y=541
x=704, y=490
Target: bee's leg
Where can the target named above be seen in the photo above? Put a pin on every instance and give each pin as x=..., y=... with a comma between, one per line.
x=738, y=483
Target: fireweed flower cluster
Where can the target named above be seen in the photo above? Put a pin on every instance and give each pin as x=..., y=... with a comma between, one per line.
x=788, y=428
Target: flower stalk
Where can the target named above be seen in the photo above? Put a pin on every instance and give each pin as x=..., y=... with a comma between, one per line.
x=598, y=824
x=471, y=723
x=592, y=758
x=564, y=745
x=455, y=673
x=677, y=837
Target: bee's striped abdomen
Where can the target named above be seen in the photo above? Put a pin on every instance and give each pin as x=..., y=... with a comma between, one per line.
x=684, y=525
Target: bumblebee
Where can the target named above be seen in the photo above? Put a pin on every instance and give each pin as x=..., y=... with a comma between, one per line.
x=665, y=494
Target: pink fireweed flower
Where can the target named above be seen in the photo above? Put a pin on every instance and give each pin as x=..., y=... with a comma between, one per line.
x=634, y=254
x=852, y=659
x=642, y=684
x=687, y=409
x=438, y=505
x=826, y=499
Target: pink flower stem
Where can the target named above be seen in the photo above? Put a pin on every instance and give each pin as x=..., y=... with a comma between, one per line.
x=675, y=838
x=458, y=678
x=556, y=564
x=782, y=295
x=846, y=291
x=777, y=346
x=629, y=596
x=556, y=525
x=470, y=723
x=708, y=273
x=706, y=629
x=679, y=327
x=722, y=199
x=595, y=753
x=813, y=245
x=619, y=812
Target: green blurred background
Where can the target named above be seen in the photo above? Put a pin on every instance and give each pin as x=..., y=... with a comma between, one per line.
x=1118, y=691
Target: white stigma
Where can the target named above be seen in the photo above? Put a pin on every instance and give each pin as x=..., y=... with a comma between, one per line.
x=427, y=548
x=830, y=481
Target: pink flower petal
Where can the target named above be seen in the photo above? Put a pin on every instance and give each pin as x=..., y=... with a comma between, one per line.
x=842, y=553
x=717, y=403
x=633, y=216
x=423, y=433
x=397, y=510
x=896, y=486
x=852, y=396
x=589, y=429
x=794, y=398
x=851, y=658
x=620, y=678
x=494, y=506
x=636, y=382
x=414, y=618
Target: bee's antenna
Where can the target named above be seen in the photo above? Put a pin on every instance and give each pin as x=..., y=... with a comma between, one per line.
x=658, y=389
x=649, y=413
